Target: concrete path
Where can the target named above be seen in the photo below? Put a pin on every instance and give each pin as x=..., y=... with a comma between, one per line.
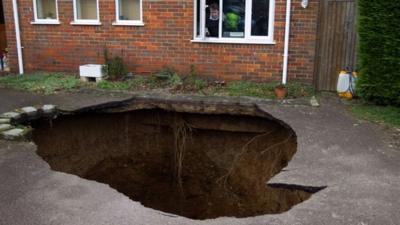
x=361, y=172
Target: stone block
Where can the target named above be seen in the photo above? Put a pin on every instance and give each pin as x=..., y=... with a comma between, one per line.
x=314, y=102
x=17, y=134
x=29, y=110
x=11, y=115
x=4, y=120
x=5, y=126
x=49, y=108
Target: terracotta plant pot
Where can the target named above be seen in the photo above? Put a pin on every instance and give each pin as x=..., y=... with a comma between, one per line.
x=280, y=92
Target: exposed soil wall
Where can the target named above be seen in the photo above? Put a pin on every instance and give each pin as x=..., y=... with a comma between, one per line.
x=195, y=165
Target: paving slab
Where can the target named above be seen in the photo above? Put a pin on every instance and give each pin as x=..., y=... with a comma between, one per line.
x=335, y=150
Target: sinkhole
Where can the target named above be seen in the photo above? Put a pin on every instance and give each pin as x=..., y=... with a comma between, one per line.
x=199, y=166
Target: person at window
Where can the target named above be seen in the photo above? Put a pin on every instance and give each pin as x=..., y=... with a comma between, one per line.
x=212, y=21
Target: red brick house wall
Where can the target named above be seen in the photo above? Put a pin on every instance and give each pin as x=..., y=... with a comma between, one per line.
x=163, y=41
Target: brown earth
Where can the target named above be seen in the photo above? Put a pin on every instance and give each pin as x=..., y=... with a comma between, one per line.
x=194, y=165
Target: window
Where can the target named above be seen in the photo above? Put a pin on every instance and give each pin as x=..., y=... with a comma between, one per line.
x=234, y=21
x=45, y=11
x=128, y=12
x=86, y=12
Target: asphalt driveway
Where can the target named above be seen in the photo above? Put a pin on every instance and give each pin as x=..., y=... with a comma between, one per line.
x=361, y=172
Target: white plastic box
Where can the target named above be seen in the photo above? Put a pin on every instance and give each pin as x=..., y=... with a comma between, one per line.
x=91, y=72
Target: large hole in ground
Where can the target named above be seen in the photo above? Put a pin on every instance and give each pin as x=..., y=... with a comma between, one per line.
x=194, y=165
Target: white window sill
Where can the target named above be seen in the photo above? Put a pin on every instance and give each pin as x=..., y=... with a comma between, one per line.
x=128, y=23
x=48, y=22
x=235, y=41
x=85, y=23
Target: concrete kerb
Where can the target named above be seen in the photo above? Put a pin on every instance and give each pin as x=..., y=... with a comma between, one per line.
x=13, y=128
x=12, y=124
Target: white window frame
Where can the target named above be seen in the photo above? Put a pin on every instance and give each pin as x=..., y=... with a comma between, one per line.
x=119, y=22
x=85, y=21
x=247, y=39
x=44, y=21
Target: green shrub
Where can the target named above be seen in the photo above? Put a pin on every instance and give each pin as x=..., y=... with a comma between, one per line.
x=114, y=67
x=193, y=81
x=175, y=80
x=164, y=78
x=379, y=51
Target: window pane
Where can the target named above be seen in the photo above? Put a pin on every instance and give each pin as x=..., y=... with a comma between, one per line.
x=198, y=18
x=234, y=18
x=260, y=18
x=129, y=9
x=46, y=9
x=212, y=19
x=1, y=14
x=86, y=9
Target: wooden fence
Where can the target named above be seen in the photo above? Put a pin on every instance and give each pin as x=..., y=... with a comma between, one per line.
x=336, y=45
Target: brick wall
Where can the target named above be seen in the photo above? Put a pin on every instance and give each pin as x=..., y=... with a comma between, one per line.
x=163, y=41
x=303, y=40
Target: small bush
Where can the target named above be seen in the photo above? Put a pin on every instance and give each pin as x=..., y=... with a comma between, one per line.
x=175, y=80
x=193, y=81
x=166, y=77
x=114, y=67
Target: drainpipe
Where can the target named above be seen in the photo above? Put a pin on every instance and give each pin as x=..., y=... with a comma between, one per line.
x=286, y=49
x=18, y=37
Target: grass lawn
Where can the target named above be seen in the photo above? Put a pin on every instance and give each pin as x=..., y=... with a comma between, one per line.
x=50, y=83
x=389, y=115
x=44, y=83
